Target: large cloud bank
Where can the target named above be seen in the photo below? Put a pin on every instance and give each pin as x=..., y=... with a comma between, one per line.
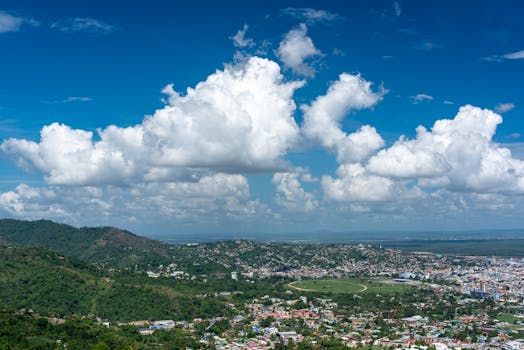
x=458, y=153
x=191, y=159
x=238, y=120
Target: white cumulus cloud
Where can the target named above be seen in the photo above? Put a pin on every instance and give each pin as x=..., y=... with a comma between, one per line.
x=290, y=193
x=504, y=107
x=240, y=39
x=295, y=49
x=421, y=98
x=354, y=184
x=323, y=117
x=459, y=152
x=238, y=120
x=409, y=159
x=212, y=198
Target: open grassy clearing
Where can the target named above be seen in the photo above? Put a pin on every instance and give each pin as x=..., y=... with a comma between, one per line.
x=349, y=285
x=508, y=318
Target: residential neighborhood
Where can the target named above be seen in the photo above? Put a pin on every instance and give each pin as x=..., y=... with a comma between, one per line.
x=429, y=300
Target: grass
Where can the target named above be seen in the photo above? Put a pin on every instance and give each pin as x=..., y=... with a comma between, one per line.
x=350, y=285
x=507, y=318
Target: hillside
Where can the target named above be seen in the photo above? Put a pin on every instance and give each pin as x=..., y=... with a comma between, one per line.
x=20, y=330
x=52, y=284
x=104, y=245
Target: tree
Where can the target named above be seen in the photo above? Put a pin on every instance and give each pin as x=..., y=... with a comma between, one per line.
x=266, y=322
x=101, y=346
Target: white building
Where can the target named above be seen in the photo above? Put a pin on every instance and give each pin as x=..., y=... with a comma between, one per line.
x=164, y=324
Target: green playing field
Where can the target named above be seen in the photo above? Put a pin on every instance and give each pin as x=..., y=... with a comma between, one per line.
x=349, y=285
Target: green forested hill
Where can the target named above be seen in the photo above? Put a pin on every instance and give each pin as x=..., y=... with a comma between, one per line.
x=20, y=330
x=106, y=245
x=52, y=284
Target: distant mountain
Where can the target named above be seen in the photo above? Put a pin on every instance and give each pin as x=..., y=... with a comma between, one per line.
x=104, y=245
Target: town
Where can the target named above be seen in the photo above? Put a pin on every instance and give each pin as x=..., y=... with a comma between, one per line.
x=407, y=300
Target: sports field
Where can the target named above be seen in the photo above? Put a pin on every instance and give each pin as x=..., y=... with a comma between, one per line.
x=349, y=285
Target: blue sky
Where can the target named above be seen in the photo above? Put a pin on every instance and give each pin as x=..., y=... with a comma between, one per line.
x=300, y=116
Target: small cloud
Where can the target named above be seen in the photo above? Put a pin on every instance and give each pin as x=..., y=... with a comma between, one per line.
x=240, y=40
x=514, y=135
x=78, y=99
x=387, y=57
x=397, y=9
x=504, y=107
x=307, y=177
x=518, y=55
x=10, y=23
x=420, y=98
x=88, y=25
x=296, y=51
x=446, y=102
x=428, y=46
x=338, y=52
x=311, y=16
x=493, y=58
x=68, y=100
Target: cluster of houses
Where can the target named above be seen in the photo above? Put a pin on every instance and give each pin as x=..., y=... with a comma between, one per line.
x=467, y=279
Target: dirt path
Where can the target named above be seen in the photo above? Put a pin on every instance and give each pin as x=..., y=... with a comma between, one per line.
x=364, y=288
x=301, y=289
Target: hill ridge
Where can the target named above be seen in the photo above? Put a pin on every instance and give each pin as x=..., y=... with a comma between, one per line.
x=105, y=245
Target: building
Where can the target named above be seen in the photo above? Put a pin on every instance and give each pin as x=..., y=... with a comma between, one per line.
x=145, y=331
x=286, y=336
x=164, y=324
